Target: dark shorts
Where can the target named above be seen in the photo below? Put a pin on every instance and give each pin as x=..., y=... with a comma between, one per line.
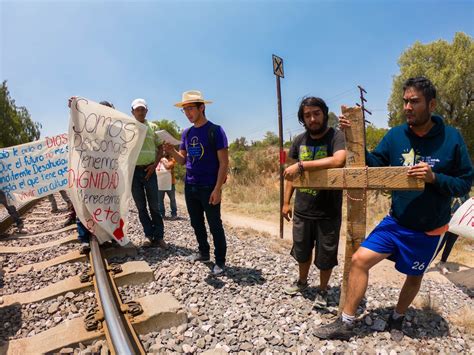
x=321, y=234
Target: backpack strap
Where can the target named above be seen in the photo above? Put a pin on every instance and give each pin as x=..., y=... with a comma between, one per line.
x=211, y=135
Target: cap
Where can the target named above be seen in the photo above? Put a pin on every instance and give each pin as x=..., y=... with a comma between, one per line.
x=139, y=103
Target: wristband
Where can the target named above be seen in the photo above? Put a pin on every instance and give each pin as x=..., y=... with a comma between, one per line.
x=300, y=167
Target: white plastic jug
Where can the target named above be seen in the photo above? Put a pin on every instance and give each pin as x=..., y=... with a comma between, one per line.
x=164, y=178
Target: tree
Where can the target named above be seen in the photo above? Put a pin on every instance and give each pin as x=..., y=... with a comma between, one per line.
x=333, y=120
x=239, y=144
x=373, y=136
x=16, y=125
x=270, y=139
x=450, y=67
x=170, y=126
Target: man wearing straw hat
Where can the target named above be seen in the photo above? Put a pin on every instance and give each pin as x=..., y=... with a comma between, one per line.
x=204, y=150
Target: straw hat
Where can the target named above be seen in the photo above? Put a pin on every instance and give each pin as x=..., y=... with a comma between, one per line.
x=192, y=96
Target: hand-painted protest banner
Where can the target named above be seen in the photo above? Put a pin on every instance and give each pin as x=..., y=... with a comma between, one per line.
x=104, y=146
x=462, y=222
x=33, y=170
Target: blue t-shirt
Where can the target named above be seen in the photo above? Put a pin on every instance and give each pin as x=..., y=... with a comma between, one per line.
x=202, y=164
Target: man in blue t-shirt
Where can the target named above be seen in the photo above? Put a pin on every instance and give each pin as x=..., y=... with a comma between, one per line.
x=413, y=231
x=204, y=151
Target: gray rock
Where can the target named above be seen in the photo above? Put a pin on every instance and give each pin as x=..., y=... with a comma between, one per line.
x=201, y=343
x=53, y=308
x=379, y=325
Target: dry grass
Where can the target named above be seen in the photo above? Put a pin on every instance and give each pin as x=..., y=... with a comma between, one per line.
x=427, y=303
x=258, y=197
x=462, y=253
x=465, y=319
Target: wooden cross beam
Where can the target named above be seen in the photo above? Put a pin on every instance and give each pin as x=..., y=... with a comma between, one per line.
x=357, y=178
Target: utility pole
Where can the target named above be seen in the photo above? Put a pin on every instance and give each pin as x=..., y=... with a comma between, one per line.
x=278, y=71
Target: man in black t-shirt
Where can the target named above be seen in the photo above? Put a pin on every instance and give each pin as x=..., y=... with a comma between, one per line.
x=317, y=213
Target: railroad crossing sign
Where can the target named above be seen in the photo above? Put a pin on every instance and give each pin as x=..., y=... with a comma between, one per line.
x=357, y=178
x=277, y=66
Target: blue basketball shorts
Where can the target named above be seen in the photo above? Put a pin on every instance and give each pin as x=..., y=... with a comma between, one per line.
x=412, y=251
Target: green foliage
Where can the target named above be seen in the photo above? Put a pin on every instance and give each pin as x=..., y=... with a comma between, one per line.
x=373, y=136
x=270, y=139
x=450, y=67
x=170, y=126
x=16, y=125
x=333, y=120
x=239, y=144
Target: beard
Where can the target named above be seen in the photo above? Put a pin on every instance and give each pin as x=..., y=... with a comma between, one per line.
x=317, y=131
x=420, y=120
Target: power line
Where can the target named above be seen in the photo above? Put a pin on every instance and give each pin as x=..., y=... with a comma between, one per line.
x=294, y=115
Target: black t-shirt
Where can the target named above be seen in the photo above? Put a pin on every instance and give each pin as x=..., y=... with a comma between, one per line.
x=311, y=203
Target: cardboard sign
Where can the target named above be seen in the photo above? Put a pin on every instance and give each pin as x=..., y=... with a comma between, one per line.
x=103, y=149
x=33, y=170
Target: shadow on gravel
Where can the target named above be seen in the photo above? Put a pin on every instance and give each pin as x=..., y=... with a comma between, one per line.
x=241, y=275
x=245, y=276
x=10, y=323
x=419, y=324
x=154, y=255
x=334, y=294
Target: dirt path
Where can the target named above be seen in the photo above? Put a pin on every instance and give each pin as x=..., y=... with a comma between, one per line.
x=382, y=273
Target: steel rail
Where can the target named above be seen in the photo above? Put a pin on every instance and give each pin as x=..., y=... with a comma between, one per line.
x=122, y=341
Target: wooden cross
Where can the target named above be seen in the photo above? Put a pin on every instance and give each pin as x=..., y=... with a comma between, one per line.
x=357, y=178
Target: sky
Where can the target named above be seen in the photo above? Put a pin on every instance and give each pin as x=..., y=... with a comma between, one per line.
x=122, y=50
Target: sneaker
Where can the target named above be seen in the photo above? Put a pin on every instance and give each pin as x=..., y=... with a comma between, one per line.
x=218, y=270
x=197, y=257
x=84, y=248
x=148, y=243
x=69, y=221
x=335, y=330
x=21, y=230
x=296, y=287
x=321, y=299
x=443, y=269
x=395, y=324
x=161, y=243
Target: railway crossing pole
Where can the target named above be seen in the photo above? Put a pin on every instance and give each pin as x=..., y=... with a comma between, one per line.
x=278, y=71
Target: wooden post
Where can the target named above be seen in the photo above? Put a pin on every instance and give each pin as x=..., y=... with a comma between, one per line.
x=356, y=199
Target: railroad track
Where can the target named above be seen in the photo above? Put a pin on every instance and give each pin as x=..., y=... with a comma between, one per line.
x=45, y=308
x=6, y=221
x=56, y=300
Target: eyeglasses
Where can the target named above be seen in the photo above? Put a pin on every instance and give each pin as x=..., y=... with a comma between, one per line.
x=187, y=108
